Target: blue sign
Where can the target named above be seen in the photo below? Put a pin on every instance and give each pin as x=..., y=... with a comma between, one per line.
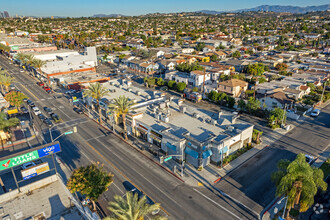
x=49, y=150
x=29, y=176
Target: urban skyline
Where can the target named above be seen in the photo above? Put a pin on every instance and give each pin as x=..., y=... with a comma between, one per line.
x=131, y=8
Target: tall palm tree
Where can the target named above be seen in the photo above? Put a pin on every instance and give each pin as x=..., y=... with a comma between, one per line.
x=131, y=207
x=3, y=73
x=299, y=182
x=6, y=81
x=36, y=63
x=96, y=91
x=21, y=57
x=121, y=106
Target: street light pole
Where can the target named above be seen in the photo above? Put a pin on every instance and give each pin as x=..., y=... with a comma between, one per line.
x=323, y=91
x=286, y=202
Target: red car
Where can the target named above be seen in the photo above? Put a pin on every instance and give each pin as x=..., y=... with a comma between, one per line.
x=46, y=88
x=40, y=84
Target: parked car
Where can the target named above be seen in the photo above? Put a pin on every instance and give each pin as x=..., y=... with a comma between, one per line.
x=309, y=159
x=40, y=84
x=41, y=116
x=315, y=112
x=30, y=103
x=55, y=117
x=130, y=187
x=36, y=110
x=46, y=88
x=78, y=110
x=27, y=165
x=50, y=91
x=48, y=110
x=48, y=122
x=24, y=110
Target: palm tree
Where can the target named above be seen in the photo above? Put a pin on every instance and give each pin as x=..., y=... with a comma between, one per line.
x=96, y=91
x=21, y=57
x=36, y=63
x=299, y=182
x=3, y=73
x=121, y=106
x=7, y=81
x=131, y=207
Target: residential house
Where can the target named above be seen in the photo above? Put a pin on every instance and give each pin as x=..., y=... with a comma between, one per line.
x=233, y=87
x=275, y=100
x=197, y=78
x=305, y=89
x=148, y=67
x=208, y=49
x=138, y=44
x=293, y=93
x=167, y=65
x=239, y=65
x=188, y=50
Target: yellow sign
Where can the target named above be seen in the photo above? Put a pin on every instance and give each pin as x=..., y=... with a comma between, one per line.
x=199, y=184
x=13, y=111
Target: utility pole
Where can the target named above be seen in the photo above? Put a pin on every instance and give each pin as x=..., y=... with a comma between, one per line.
x=204, y=82
x=323, y=91
x=284, y=113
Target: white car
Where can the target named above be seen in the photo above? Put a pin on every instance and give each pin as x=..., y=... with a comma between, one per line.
x=315, y=112
x=27, y=165
x=309, y=158
x=36, y=110
x=22, y=71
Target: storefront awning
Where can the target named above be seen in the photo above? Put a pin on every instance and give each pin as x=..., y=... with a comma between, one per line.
x=191, y=152
x=207, y=153
x=172, y=147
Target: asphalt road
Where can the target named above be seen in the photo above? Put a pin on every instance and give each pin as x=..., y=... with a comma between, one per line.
x=251, y=183
x=93, y=143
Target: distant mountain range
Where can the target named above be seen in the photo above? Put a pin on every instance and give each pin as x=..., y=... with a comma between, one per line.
x=276, y=8
x=107, y=16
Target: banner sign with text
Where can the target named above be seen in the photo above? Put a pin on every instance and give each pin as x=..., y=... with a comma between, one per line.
x=30, y=156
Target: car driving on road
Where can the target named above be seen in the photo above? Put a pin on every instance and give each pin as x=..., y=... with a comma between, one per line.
x=315, y=112
x=48, y=110
x=78, y=110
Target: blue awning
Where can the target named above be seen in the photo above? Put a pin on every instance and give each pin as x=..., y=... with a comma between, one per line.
x=191, y=152
x=172, y=147
x=224, y=150
x=207, y=153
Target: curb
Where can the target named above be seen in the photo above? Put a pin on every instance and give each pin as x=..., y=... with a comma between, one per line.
x=137, y=149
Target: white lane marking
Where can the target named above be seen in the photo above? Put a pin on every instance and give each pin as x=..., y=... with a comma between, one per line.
x=217, y=204
x=144, y=178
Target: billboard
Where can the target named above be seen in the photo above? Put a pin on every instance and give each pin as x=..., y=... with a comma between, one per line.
x=43, y=151
x=35, y=171
x=18, y=160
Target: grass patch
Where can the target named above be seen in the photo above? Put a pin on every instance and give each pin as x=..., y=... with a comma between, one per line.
x=326, y=168
x=238, y=153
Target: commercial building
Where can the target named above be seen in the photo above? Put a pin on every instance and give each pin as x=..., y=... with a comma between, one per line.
x=199, y=136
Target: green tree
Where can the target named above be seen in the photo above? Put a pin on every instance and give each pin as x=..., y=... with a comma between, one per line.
x=299, y=182
x=36, y=63
x=214, y=96
x=312, y=86
x=236, y=54
x=15, y=98
x=241, y=104
x=121, y=106
x=195, y=89
x=214, y=58
x=276, y=117
x=5, y=123
x=131, y=207
x=200, y=46
x=171, y=84
x=96, y=91
x=90, y=181
x=252, y=105
x=181, y=86
x=230, y=101
x=160, y=82
x=256, y=69
x=5, y=82
x=281, y=66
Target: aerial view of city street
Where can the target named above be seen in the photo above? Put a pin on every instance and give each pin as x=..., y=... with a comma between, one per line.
x=135, y=110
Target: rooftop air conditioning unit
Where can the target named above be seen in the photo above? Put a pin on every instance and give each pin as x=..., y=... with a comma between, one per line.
x=148, y=97
x=138, y=93
x=230, y=128
x=195, y=115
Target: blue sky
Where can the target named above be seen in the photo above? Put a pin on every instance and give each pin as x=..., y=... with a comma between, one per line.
x=76, y=8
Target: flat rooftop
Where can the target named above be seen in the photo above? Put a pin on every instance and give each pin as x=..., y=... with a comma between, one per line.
x=51, y=200
x=199, y=127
